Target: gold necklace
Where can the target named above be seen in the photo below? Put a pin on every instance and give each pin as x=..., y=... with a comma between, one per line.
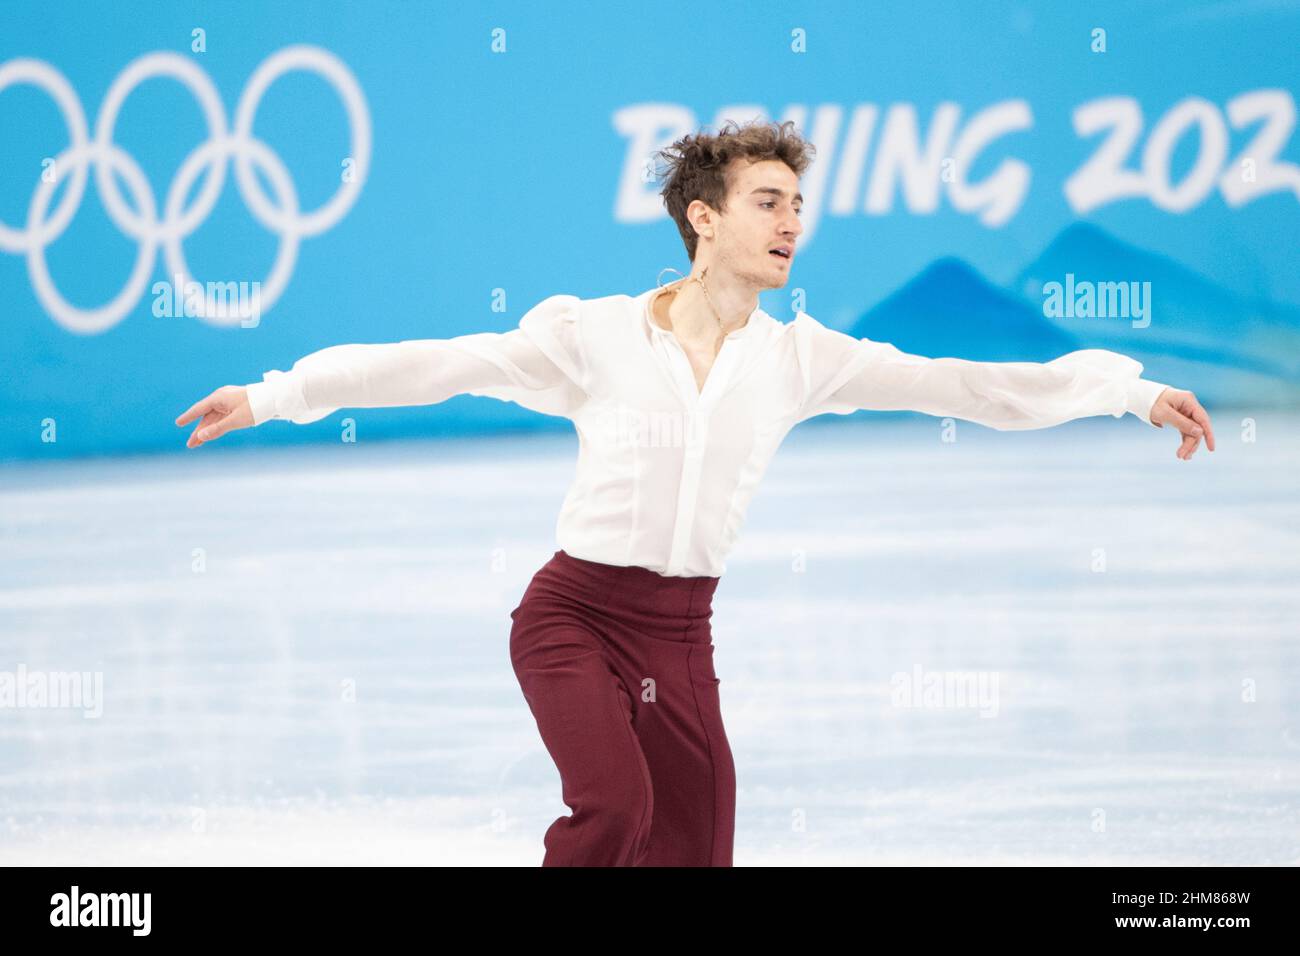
x=717, y=347
x=709, y=299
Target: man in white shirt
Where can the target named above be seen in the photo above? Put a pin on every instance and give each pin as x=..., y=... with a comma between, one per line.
x=680, y=396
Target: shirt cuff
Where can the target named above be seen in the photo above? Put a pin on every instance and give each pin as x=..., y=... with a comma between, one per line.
x=261, y=401
x=276, y=396
x=1142, y=395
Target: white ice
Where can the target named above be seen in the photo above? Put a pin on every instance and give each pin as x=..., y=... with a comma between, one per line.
x=304, y=655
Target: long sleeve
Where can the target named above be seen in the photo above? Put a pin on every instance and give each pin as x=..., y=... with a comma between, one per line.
x=539, y=365
x=842, y=374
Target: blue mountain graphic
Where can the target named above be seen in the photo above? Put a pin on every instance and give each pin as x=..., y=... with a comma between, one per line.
x=951, y=310
x=1228, y=349
x=1192, y=318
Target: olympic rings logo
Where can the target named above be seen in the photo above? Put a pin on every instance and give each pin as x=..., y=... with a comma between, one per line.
x=282, y=217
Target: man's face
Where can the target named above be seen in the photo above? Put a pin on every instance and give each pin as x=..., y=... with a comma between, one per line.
x=762, y=214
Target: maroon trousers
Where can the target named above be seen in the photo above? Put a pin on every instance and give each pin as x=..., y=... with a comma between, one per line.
x=616, y=664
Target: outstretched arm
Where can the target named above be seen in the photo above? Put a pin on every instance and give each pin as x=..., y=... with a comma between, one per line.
x=843, y=374
x=538, y=365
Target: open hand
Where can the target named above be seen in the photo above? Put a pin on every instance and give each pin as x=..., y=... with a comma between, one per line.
x=1184, y=412
x=223, y=411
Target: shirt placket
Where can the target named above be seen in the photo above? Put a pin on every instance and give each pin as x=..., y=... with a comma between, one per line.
x=699, y=407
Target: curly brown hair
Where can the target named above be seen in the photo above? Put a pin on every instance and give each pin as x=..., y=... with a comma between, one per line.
x=696, y=165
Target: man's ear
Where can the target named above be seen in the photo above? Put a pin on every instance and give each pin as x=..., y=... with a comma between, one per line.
x=697, y=214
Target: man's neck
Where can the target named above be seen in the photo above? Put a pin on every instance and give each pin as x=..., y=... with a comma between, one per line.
x=686, y=310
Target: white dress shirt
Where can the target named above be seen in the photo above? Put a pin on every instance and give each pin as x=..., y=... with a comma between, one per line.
x=665, y=470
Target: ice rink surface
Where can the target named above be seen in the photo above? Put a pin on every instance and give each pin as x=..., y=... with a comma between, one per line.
x=303, y=651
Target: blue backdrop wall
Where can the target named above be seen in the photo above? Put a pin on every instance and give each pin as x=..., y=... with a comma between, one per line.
x=989, y=180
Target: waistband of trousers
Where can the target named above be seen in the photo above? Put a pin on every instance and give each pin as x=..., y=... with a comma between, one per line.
x=642, y=580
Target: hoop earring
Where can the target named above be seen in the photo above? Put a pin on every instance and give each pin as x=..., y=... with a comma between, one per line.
x=660, y=279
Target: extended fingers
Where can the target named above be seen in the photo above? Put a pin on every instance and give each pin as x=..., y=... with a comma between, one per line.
x=217, y=428
x=198, y=408
x=202, y=431
x=1203, y=419
x=1184, y=424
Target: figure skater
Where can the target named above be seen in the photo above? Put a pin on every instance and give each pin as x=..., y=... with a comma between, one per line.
x=680, y=396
